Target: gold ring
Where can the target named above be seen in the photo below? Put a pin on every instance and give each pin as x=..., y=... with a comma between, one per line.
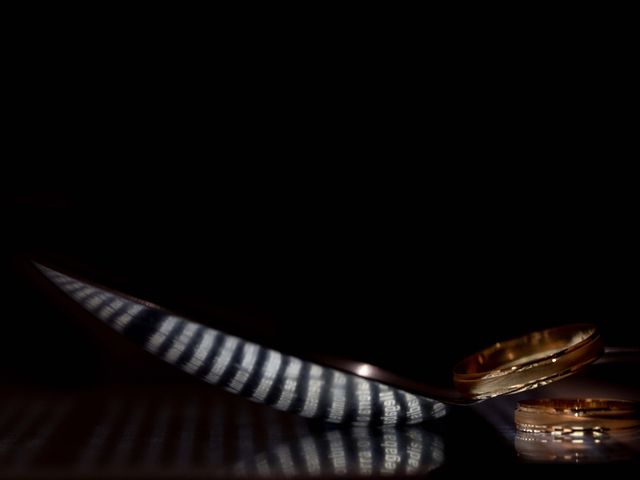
x=527, y=362
x=583, y=414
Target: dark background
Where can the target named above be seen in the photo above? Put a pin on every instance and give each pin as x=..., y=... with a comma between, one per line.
x=401, y=277
x=488, y=193
x=406, y=277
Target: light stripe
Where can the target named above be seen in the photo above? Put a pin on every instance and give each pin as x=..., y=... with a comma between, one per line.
x=95, y=302
x=337, y=452
x=363, y=396
x=272, y=365
x=311, y=455
x=290, y=380
x=248, y=363
x=156, y=340
x=314, y=390
x=83, y=293
x=414, y=450
x=390, y=406
x=414, y=410
x=263, y=468
x=364, y=452
x=124, y=318
x=223, y=360
x=180, y=343
x=71, y=286
x=65, y=282
x=390, y=460
x=55, y=276
x=285, y=459
x=201, y=352
x=438, y=410
x=109, y=309
x=338, y=397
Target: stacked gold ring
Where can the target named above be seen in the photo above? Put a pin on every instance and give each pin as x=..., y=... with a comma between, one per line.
x=564, y=416
x=528, y=362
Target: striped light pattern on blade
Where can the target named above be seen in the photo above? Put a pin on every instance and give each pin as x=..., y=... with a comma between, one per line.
x=261, y=374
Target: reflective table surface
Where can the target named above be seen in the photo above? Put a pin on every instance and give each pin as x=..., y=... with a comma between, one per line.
x=155, y=432
x=196, y=431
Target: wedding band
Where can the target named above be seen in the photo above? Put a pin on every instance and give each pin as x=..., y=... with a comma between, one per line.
x=575, y=415
x=528, y=361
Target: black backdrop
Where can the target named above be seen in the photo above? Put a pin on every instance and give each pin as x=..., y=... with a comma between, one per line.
x=404, y=278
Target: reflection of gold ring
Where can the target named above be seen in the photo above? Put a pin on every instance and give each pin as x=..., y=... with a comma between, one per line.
x=578, y=446
x=563, y=416
x=527, y=362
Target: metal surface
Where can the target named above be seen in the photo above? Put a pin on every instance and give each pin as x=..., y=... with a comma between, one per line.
x=261, y=374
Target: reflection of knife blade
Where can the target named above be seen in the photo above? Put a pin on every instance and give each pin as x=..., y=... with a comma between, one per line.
x=620, y=354
x=146, y=432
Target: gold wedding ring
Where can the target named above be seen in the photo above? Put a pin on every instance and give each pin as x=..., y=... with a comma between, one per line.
x=575, y=415
x=528, y=362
